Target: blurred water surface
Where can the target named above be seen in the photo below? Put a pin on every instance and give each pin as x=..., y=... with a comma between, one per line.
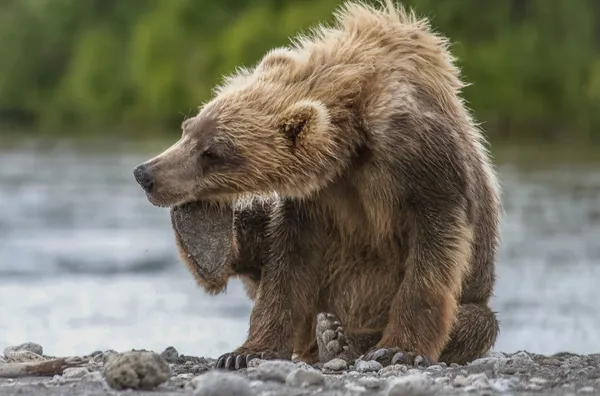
x=87, y=263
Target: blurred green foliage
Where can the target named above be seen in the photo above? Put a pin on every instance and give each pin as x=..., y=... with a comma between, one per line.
x=534, y=65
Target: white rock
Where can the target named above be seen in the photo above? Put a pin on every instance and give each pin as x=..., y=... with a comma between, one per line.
x=336, y=365
x=220, y=383
x=23, y=356
x=538, y=380
x=479, y=381
x=367, y=367
x=275, y=370
x=302, y=378
x=460, y=381
x=136, y=370
x=411, y=385
x=26, y=346
x=75, y=372
x=522, y=358
x=586, y=389
x=370, y=382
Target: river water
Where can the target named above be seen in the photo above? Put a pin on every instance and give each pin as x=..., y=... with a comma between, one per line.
x=86, y=263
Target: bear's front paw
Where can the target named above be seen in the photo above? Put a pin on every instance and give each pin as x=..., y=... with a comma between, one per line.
x=241, y=359
x=391, y=356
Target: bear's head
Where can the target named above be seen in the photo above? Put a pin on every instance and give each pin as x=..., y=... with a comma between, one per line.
x=265, y=130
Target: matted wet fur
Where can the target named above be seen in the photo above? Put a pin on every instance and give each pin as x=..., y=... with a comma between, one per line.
x=387, y=206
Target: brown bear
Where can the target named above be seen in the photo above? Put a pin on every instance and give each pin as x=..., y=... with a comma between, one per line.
x=386, y=207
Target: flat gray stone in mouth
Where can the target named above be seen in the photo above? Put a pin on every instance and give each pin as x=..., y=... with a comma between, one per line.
x=205, y=232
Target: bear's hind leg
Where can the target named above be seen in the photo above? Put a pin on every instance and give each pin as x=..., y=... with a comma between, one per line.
x=473, y=334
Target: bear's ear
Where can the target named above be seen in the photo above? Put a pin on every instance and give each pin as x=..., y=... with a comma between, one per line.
x=302, y=119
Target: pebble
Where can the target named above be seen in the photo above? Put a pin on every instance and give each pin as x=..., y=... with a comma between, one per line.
x=75, y=372
x=370, y=382
x=522, y=358
x=26, y=346
x=275, y=370
x=460, y=381
x=336, y=365
x=368, y=366
x=586, y=389
x=23, y=356
x=479, y=381
x=395, y=370
x=170, y=354
x=136, y=370
x=411, y=385
x=302, y=378
x=220, y=383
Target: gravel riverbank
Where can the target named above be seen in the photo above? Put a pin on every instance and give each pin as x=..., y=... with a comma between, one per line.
x=169, y=373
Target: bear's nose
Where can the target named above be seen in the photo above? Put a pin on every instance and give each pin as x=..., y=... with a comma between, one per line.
x=143, y=177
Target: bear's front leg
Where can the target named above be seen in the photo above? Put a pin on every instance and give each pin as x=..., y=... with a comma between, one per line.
x=288, y=290
x=424, y=309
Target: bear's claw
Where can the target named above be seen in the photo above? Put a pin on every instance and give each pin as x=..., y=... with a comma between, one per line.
x=391, y=356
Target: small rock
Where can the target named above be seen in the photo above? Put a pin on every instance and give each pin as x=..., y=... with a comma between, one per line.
x=411, y=385
x=302, y=378
x=23, y=356
x=185, y=376
x=586, y=389
x=103, y=357
x=136, y=370
x=26, y=346
x=442, y=381
x=460, y=381
x=370, y=382
x=395, y=370
x=479, y=381
x=351, y=386
x=94, y=376
x=367, y=367
x=538, y=380
x=170, y=354
x=336, y=365
x=220, y=383
x=522, y=358
x=275, y=370
x=75, y=373
x=255, y=363
x=435, y=367
x=533, y=387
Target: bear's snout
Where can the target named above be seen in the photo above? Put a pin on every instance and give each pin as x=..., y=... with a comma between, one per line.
x=143, y=177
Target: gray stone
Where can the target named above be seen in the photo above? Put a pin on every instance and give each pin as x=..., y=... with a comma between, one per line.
x=460, y=381
x=26, y=346
x=395, y=370
x=586, y=389
x=302, y=378
x=370, y=382
x=170, y=354
x=220, y=383
x=479, y=381
x=522, y=358
x=367, y=367
x=136, y=370
x=23, y=356
x=336, y=365
x=411, y=385
x=103, y=357
x=75, y=373
x=275, y=370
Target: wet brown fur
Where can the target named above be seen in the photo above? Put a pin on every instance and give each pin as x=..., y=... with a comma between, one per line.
x=388, y=206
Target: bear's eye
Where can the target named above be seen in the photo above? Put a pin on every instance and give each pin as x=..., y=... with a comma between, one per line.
x=210, y=155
